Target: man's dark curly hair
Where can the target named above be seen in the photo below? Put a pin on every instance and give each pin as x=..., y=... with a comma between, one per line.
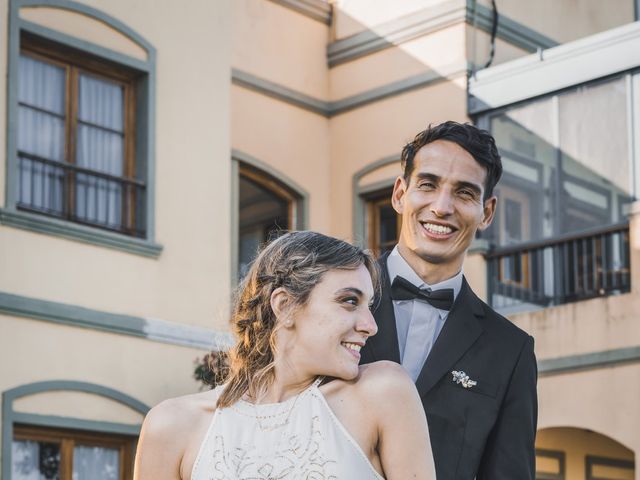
x=478, y=143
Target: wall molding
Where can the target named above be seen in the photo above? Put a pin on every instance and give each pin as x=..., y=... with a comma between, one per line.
x=429, y=20
x=314, y=9
x=11, y=417
x=396, y=31
x=75, y=231
x=510, y=31
x=337, y=107
x=587, y=361
x=280, y=92
x=146, y=328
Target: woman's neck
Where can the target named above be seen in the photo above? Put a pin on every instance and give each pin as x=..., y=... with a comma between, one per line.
x=286, y=384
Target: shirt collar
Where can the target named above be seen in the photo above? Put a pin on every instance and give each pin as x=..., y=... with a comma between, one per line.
x=396, y=265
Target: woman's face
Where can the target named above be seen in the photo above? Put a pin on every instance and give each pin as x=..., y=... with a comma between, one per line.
x=333, y=326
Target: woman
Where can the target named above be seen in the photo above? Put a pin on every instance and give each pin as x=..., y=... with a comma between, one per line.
x=296, y=404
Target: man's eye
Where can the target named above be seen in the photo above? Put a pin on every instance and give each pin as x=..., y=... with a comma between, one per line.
x=467, y=193
x=427, y=185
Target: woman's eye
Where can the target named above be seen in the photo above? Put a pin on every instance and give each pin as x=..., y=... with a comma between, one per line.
x=351, y=301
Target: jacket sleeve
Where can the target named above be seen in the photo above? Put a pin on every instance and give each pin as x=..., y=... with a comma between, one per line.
x=510, y=450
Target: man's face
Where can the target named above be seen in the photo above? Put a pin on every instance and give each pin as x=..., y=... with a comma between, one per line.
x=442, y=207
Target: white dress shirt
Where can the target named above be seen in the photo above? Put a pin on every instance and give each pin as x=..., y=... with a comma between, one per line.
x=418, y=323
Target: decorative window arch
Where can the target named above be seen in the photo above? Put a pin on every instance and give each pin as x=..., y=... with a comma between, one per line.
x=265, y=201
x=10, y=417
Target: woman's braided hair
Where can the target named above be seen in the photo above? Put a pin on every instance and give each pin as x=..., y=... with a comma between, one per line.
x=296, y=261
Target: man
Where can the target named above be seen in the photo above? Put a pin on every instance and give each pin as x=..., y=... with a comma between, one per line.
x=475, y=371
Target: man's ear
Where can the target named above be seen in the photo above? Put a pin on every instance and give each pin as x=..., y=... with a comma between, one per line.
x=488, y=212
x=397, y=197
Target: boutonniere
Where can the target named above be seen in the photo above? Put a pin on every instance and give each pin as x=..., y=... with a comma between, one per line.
x=462, y=378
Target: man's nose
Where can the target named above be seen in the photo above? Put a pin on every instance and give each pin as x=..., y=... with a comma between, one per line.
x=367, y=324
x=442, y=204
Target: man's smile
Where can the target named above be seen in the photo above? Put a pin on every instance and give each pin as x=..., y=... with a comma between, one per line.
x=438, y=231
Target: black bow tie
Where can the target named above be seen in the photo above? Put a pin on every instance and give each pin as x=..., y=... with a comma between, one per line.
x=403, y=289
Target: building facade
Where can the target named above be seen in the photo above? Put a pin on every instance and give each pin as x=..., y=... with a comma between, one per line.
x=256, y=116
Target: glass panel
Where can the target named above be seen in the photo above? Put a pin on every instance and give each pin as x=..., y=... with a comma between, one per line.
x=41, y=133
x=263, y=215
x=41, y=85
x=593, y=138
x=96, y=463
x=526, y=192
x=100, y=147
x=35, y=460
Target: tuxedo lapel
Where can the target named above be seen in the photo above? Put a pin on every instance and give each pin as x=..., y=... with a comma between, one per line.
x=384, y=344
x=460, y=331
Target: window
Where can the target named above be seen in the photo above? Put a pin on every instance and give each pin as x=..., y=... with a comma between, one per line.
x=55, y=454
x=567, y=162
x=76, y=139
x=383, y=223
x=550, y=464
x=267, y=209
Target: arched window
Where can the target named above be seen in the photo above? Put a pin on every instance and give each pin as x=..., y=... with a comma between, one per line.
x=267, y=208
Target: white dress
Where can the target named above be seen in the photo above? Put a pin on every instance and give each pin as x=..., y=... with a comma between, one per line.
x=298, y=439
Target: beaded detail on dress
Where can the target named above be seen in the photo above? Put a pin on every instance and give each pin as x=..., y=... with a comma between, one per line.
x=300, y=438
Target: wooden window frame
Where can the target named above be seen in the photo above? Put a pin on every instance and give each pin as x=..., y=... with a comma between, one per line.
x=75, y=63
x=268, y=183
x=374, y=202
x=69, y=439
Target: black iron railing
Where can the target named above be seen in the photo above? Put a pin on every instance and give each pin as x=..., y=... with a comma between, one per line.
x=81, y=195
x=560, y=270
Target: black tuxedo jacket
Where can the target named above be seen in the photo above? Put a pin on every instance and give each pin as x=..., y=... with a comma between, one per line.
x=486, y=431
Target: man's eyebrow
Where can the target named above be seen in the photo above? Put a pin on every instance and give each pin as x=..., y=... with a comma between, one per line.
x=428, y=176
x=471, y=186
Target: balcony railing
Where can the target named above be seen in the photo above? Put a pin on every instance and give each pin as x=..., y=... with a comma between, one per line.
x=81, y=195
x=564, y=269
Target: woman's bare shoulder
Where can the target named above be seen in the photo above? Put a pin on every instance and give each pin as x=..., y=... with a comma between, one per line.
x=383, y=376
x=375, y=382
x=170, y=432
x=181, y=413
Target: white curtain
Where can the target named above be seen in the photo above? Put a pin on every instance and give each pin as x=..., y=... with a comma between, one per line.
x=100, y=147
x=95, y=463
x=25, y=461
x=41, y=93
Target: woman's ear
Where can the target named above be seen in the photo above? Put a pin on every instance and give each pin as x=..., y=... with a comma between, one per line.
x=280, y=304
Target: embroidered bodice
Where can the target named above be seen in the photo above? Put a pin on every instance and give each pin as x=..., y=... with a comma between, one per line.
x=300, y=438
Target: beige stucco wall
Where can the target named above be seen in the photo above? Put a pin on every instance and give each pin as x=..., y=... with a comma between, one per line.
x=479, y=45
x=355, y=16
x=86, y=406
x=603, y=400
x=280, y=45
x=148, y=371
x=439, y=53
x=189, y=282
x=380, y=129
x=83, y=27
x=290, y=140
